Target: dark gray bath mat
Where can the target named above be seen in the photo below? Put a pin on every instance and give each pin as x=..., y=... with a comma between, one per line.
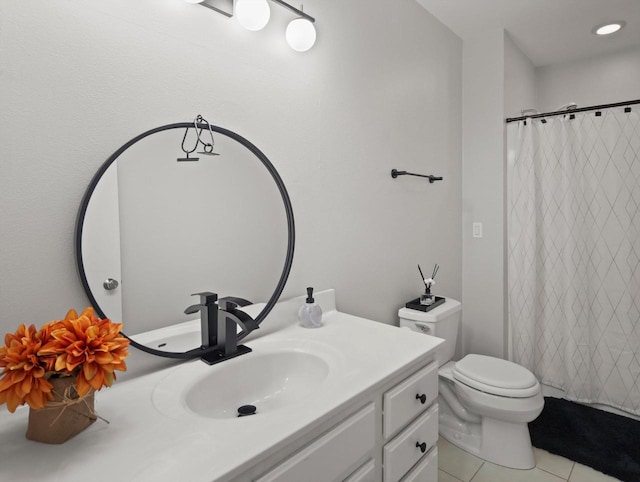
x=604, y=441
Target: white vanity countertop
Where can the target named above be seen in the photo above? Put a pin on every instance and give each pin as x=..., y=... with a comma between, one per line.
x=144, y=442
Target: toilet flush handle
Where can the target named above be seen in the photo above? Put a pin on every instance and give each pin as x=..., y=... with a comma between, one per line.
x=423, y=328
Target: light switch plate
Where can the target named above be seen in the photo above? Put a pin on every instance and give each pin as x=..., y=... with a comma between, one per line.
x=477, y=230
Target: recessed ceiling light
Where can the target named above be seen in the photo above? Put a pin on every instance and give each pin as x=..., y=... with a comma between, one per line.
x=608, y=28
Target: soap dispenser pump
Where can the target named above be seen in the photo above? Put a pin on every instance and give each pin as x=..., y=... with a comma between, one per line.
x=310, y=314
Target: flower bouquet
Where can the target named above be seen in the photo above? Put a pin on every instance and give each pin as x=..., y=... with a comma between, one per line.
x=56, y=369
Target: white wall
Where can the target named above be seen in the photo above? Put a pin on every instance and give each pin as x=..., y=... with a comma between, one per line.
x=482, y=265
x=519, y=80
x=595, y=81
x=519, y=94
x=498, y=82
x=599, y=80
x=380, y=90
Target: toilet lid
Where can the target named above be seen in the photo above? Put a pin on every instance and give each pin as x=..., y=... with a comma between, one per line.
x=496, y=376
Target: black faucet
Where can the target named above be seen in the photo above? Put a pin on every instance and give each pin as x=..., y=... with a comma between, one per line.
x=218, y=320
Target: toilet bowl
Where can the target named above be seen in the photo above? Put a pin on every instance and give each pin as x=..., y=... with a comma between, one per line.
x=484, y=403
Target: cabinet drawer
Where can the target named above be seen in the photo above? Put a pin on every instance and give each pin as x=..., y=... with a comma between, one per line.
x=401, y=403
x=366, y=473
x=333, y=455
x=402, y=452
x=426, y=470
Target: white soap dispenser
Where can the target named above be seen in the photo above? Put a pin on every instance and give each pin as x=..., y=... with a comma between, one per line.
x=310, y=314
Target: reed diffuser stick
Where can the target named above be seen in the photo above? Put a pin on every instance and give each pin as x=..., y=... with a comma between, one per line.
x=424, y=280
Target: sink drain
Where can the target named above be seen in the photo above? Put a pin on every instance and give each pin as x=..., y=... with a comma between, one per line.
x=246, y=410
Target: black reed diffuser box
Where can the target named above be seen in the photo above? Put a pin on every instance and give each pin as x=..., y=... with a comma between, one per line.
x=416, y=305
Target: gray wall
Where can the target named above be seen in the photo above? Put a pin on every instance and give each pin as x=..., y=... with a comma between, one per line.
x=380, y=90
x=498, y=82
x=519, y=94
x=598, y=80
x=519, y=80
x=483, y=291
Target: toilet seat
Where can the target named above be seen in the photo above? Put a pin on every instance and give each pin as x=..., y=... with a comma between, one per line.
x=496, y=376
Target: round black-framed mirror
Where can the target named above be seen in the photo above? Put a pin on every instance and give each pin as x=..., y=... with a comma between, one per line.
x=203, y=128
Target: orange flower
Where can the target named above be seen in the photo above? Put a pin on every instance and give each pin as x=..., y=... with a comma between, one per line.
x=83, y=345
x=90, y=346
x=23, y=371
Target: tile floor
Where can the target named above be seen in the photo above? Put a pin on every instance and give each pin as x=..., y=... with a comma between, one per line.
x=456, y=465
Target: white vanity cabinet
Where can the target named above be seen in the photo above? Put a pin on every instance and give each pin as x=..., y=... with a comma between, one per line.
x=359, y=406
x=391, y=436
x=410, y=427
x=331, y=455
x=411, y=412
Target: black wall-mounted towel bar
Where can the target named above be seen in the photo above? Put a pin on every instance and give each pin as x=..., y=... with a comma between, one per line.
x=395, y=173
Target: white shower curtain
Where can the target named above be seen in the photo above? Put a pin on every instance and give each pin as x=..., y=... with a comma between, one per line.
x=574, y=254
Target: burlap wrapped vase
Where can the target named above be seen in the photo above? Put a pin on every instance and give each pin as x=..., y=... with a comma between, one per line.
x=63, y=417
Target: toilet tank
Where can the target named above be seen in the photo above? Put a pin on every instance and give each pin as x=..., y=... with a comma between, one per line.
x=441, y=321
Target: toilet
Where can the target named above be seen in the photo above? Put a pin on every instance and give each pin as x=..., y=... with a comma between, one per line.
x=484, y=403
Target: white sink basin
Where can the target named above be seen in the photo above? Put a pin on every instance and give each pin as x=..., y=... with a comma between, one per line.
x=268, y=381
x=272, y=377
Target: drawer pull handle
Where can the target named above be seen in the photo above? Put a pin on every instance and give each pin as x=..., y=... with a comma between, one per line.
x=422, y=398
x=422, y=446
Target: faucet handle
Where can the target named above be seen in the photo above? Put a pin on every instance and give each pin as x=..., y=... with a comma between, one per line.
x=207, y=297
x=206, y=300
x=193, y=309
x=232, y=302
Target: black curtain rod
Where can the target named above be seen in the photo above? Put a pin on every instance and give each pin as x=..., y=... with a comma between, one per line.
x=573, y=111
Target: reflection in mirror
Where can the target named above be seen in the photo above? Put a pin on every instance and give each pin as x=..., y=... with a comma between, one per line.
x=154, y=230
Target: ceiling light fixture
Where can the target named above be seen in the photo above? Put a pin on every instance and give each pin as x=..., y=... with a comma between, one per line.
x=254, y=15
x=607, y=28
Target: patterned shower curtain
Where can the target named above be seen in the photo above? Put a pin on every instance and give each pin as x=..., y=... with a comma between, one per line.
x=573, y=207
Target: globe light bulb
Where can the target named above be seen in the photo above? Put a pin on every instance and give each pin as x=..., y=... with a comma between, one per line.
x=300, y=34
x=253, y=14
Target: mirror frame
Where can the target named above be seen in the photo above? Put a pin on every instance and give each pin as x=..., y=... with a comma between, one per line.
x=196, y=352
